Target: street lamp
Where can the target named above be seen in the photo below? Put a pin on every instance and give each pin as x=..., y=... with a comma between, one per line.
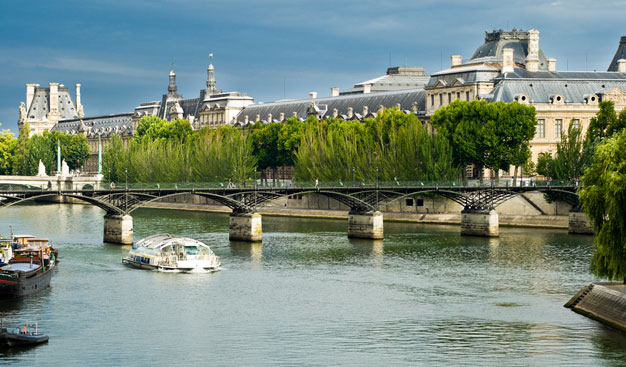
x=376, y=188
x=353, y=171
x=126, y=178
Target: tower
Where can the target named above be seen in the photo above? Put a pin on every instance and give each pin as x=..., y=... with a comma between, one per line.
x=210, y=81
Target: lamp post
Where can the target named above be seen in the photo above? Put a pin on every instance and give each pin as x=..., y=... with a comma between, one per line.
x=377, y=188
x=353, y=171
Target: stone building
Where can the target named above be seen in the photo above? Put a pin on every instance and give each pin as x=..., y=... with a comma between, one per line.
x=53, y=109
x=45, y=107
x=510, y=66
x=211, y=108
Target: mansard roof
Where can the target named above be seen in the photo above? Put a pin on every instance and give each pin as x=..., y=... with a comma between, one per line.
x=40, y=106
x=405, y=98
x=619, y=54
x=496, y=41
x=397, y=78
x=574, y=86
x=105, y=125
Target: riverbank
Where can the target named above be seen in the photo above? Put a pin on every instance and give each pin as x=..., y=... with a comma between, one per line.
x=533, y=221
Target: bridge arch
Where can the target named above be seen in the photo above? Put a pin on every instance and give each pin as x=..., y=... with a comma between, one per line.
x=109, y=208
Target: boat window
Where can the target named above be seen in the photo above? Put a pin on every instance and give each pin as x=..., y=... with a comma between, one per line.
x=191, y=250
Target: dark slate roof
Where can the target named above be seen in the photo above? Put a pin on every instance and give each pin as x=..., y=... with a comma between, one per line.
x=397, y=78
x=541, y=86
x=498, y=40
x=405, y=98
x=121, y=123
x=465, y=74
x=619, y=54
x=40, y=106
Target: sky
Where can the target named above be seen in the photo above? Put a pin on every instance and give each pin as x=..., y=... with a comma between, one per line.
x=121, y=51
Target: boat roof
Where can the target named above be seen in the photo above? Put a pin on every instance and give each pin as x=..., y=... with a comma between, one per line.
x=23, y=236
x=24, y=267
x=160, y=240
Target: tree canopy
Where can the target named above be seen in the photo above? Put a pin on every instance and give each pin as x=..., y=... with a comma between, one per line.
x=603, y=197
x=493, y=135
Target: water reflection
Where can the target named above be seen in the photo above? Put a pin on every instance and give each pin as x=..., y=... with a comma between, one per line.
x=247, y=250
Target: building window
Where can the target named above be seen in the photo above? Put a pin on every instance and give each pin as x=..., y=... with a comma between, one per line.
x=409, y=202
x=576, y=123
x=420, y=202
x=432, y=100
x=467, y=96
x=558, y=128
x=449, y=98
x=458, y=95
x=541, y=128
x=440, y=99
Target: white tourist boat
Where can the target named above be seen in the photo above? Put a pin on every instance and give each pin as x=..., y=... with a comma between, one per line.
x=167, y=253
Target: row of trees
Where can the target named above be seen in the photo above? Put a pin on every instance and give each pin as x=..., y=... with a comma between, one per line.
x=21, y=155
x=170, y=151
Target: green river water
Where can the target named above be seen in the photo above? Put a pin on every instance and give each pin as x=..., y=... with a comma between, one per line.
x=309, y=296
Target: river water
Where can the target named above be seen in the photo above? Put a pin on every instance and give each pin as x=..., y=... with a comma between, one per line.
x=309, y=296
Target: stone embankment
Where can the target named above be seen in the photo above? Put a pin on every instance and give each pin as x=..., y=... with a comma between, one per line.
x=540, y=221
x=604, y=302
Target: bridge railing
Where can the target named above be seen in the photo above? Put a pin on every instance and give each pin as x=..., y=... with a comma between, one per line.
x=502, y=183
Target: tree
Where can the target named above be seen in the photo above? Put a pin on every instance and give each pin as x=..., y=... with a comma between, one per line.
x=18, y=164
x=545, y=164
x=603, y=198
x=569, y=158
x=8, y=146
x=39, y=148
x=114, y=160
x=493, y=135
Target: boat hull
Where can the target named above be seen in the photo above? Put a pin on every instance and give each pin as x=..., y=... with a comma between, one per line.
x=8, y=339
x=167, y=269
x=24, y=285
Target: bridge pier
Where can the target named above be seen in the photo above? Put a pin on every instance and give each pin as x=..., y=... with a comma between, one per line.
x=366, y=225
x=484, y=223
x=579, y=223
x=118, y=228
x=245, y=227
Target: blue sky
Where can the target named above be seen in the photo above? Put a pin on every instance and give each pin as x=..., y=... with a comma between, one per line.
x=120, y=50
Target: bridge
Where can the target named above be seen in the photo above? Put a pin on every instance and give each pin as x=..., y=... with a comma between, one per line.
x=479, y=202
x=58, y=182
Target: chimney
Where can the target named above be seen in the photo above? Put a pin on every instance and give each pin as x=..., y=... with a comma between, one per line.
x=79, y=106
x=367, y=88
x=507, y=60
x=533, y=42
x=269, y=117
x=621, y=66
x=334, y=92
x=350, y=112
x=455, y=60
x=312, y=95
x=54, y=97
x=365, y=111
x=30, y=94
x=552, y=65
x=532, y=63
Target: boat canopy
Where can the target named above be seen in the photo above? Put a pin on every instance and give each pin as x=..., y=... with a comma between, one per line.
x=158, y=241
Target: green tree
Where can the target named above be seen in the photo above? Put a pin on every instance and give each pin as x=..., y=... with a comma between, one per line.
x=568, y=161
x=545, y=164
x=493, y=135
x=39, y=148
x=18, y=163
x=114, y=160
x=8, y=145
x=603, y=198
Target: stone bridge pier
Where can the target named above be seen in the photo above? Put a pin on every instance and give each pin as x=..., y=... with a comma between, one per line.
x=480, y=222
x=246, y=227
x=579, y=223
x=367, y=225
x=118, y=228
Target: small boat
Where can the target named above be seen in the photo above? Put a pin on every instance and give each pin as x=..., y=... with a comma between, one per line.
x=26, y=267
x=25, y=336
x=163, y=252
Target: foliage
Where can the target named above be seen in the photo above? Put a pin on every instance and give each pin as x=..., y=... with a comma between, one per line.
x=603, y=198
x=208, y=155
x=545, y=164
x=568, y=161
x=393, y=145
x=8, y=145
x=604, y=124
x=153, y=128
x=493, y=135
